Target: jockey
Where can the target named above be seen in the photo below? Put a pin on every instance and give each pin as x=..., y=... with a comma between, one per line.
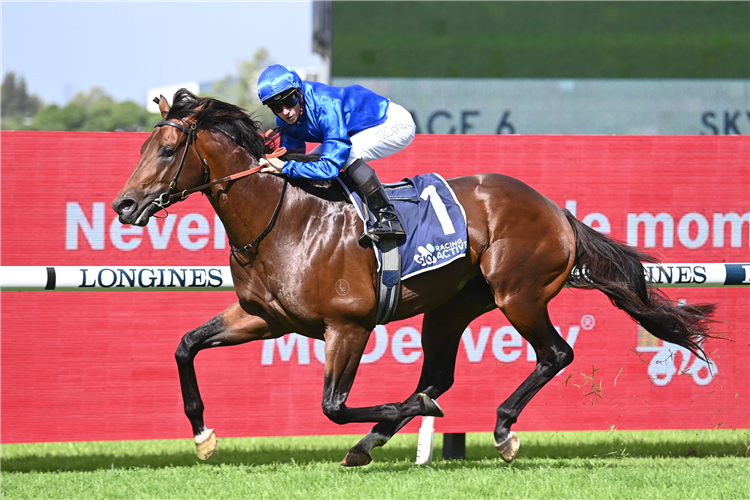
x=351, y=124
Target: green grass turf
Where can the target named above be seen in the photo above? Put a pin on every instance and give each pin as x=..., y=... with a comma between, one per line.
x=624, y=465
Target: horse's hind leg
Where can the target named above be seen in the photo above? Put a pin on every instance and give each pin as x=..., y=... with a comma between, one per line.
x=441, y=335
x=233, y=326
x=552, y=355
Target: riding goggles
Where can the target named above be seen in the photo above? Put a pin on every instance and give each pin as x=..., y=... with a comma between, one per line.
x=288, y=101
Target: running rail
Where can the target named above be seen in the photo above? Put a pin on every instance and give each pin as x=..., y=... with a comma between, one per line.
x=207, y=278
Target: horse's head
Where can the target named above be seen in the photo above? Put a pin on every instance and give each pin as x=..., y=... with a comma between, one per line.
x=171, y=162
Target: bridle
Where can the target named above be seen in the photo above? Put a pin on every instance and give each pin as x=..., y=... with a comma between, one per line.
x=169, y=197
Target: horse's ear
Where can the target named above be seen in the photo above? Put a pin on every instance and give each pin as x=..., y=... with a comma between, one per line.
x=193, y=118
x=163, y=106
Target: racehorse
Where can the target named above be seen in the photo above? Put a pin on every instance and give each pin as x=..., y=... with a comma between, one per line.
x=293, y=240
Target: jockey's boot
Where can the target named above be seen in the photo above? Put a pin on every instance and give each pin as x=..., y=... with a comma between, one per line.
x=387, y=224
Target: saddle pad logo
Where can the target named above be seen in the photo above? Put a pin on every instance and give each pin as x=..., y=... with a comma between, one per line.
x=429, y=255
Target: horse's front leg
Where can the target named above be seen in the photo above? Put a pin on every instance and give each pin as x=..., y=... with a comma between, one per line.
x=344, y=348
x=231, y=327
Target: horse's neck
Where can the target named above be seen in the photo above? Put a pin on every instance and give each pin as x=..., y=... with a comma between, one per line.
x=246, y=206
x=232, y=200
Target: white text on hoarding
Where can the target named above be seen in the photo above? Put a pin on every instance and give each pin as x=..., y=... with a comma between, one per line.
x=505, y=343
x=88, y=230
x=193, y=231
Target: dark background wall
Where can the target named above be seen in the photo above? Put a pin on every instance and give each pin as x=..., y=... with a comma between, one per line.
x=542, y=39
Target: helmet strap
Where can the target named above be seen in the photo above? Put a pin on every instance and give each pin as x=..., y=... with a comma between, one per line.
x=301, y=104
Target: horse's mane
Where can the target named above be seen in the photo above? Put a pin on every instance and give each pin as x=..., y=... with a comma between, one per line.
x=233, y=121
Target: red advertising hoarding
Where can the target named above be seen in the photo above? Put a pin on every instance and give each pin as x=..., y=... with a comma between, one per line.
x=80, y=366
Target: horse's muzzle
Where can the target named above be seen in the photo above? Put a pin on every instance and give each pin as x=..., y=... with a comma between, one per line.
x=131, y=212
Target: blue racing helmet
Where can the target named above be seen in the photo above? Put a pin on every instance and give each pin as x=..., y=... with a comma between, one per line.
x=275, y=80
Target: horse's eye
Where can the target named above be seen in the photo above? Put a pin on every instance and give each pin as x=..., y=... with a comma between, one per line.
x=168, y=152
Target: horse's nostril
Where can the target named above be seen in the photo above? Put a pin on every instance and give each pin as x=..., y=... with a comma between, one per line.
x=124, y=206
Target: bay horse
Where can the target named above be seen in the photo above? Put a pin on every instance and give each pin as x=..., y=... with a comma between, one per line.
x=293, y=240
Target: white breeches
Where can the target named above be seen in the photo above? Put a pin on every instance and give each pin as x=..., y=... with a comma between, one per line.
x=391, y=136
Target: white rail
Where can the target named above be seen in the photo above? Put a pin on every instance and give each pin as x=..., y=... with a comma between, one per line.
x=205, y=278
x=115, y=278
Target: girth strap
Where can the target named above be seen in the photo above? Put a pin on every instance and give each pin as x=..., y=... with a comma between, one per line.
x=389, y=281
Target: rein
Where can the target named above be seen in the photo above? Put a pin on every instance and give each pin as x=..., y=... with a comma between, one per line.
x=171, y=196
x=269, y=226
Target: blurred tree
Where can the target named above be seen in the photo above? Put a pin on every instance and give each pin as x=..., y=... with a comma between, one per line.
x=240, y=89
x=95, y=111
x=98, y=111
x=18, y=106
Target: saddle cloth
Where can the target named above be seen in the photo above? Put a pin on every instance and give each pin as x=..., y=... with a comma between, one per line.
x=432, y=217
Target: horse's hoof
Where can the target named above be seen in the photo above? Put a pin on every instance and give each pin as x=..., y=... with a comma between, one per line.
x=206, y=447
x=509, y=447
x=430, y=408
x=356, y=458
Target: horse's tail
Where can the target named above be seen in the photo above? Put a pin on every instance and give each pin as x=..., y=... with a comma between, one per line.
x=617, y=270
